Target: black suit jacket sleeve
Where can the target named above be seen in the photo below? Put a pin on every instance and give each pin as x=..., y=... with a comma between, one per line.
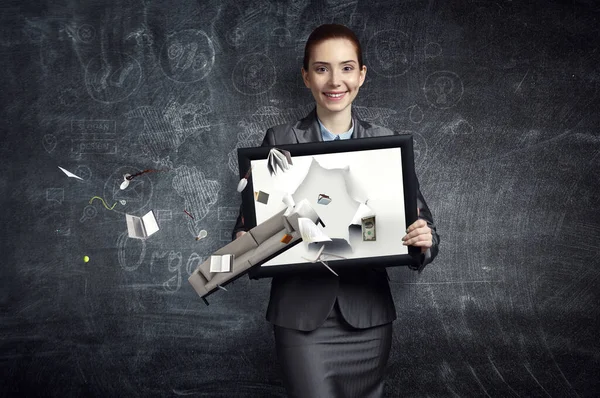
x=425, y=214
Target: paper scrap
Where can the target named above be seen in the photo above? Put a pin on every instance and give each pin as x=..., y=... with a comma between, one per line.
x=310, y=232
x=69, y=174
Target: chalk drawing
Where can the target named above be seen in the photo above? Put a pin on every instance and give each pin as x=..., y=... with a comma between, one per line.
x=357, y=21
x=59, y=223
x=174, y=283
x=55, y=195
x=374, y=115
x=122, y=241
x=84, y=172
x=163, y=215
x=142, y=36
x=49, y=142
x=89, y=212
x=166, y=129
x=225, y=235
x=137, y=195
x=461, y=127
x=68, y=97
x=419, y=149
x=443, y=89
x=254, y=74
x=193, y=262
x=235, y=37
x=433, y=50
x=253, y=129
x=282, y=35
x=187, y=56
x=93, y=137
x=416, y=114
x=228, y=213
x=390, y=53
x=86, y=33
x=112, y=76
x=199, y=194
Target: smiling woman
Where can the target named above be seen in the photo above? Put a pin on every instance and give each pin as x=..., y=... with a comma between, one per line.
x=333, y=333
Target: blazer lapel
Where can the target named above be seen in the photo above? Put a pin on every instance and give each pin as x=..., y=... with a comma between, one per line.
x=359, y=130
x=307, y=129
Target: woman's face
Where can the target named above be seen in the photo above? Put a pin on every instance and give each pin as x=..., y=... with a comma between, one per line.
x=334, y=76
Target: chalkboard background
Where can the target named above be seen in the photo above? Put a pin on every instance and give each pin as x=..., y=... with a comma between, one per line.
x=502, y=98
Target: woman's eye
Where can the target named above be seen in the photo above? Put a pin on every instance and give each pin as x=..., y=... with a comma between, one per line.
x=348, y=68
x=321, y=69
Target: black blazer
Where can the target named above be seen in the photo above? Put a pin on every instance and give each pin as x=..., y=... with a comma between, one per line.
x=303, y=301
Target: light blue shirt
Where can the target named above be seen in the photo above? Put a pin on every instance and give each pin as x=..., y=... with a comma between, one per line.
x=329, y=136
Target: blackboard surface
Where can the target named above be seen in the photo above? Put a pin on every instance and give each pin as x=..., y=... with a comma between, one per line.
x=501, y=96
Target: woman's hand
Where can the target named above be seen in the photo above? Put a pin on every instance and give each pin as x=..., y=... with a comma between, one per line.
x=418, y=234
x=239, y=233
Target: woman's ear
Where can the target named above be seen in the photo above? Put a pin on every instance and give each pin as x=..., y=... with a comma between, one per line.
x=363, y=75
x=305, y=78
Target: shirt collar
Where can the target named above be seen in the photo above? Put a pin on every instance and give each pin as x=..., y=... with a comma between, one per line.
x=329, y=136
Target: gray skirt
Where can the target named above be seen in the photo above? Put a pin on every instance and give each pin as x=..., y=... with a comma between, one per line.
x=335, y=360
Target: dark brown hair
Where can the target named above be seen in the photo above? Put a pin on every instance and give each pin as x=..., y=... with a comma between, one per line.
x=331, y=31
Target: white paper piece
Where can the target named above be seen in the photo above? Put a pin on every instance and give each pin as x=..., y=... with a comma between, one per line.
x=69, y=174
x=310, y=232
x=362, y=211
x=141, y=227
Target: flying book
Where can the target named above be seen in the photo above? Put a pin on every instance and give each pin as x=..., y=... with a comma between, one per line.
x=141, y=227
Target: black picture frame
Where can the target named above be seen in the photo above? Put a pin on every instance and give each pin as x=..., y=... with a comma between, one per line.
x=403, y=142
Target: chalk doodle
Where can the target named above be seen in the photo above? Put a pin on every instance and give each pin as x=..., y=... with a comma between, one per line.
x=89, y=212
x=357, y=21
x=103, y=202
x=235, y=37
x=254, y=74
x=84, y=172
x=163, y=215
x=282, y=35
x=461, y=127
x=49, y=142
x=225, y=235
x=443, y=89
x=60, y=224
x=93, y=137
x=253, y=128
x=166, y=129
x=86, y=33
x=122, y=241
x=55, y=195
x=416, y=114
x=375, y=115
x=199, y=194
x=433, y=50
x=137, y=195
x=228, y=213
x=111, y=77
x=390, y=53
x=173, y=284
x=193, y=262
x=187, y=56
